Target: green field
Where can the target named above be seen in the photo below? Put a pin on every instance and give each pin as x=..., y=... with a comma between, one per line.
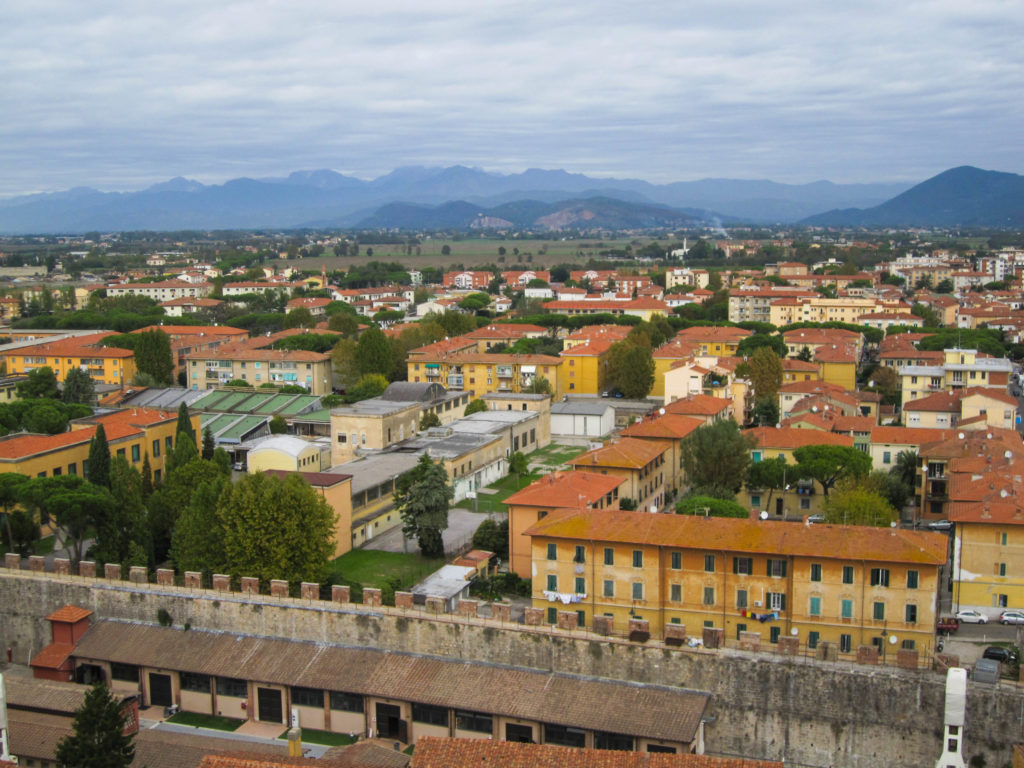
x=554, y=455
x=196, y=720
x=493, y=502
x=375, y=568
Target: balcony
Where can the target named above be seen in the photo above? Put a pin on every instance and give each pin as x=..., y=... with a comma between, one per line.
x=454, y=382
x=505, y=371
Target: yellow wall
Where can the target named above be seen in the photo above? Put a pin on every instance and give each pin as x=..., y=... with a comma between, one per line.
x=105, y=370
x=582, y=374
x=979, y=553
x=842, y=374
x=720, y=607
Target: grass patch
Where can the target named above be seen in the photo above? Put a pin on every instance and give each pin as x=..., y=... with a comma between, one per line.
x=408, y=750
x=197, y=720
x=493, y=502
x=555, y=455
x=376, y=568
x=43, y=546
x=323, y=738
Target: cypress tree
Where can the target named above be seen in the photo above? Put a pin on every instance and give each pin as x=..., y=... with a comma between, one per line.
x=184, y=423
x=209, y=446
x=99, y=459
x=147, y=477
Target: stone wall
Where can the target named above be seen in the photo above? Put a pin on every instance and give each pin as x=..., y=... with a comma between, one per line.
x=764, y=705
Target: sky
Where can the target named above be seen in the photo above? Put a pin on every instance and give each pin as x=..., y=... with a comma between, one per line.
x=120, y=94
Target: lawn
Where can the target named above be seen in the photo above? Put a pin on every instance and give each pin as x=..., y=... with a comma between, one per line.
x=324, y=738
x=375, y=568
x=492, y=502
x=555, y=455
x=216, y=722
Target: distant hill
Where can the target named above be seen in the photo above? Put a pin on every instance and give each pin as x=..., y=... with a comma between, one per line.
x=589, y=213
x=960, y=197
x=328, y=198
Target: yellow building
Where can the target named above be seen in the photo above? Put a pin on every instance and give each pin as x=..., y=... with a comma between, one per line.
x=959, y=369
x=819, y=583
x=714, y=341
x=290, y=454
x=798, y=370
x=640, y=464
x=106, y=365
x=667, y=432
x=669, y=356
x=584, y=368
x=132, y=433
x=838, y=365
x=212, y=368
x=820, y=309
x=480, y=374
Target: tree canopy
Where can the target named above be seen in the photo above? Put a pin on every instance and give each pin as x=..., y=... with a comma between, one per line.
x=715, y=507
x=41, y=383
x=97, y=737
x=630, y=369
x=153, y=356
x=856, y=504
x=715, y=458
x=829, y=463
x=422, y=498
x=78, y=387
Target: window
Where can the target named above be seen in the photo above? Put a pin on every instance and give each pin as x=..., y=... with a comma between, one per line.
x=552, y=582
x=776, y=601
x=677, y=561
x=776, y=568
x=232, y=686
x=72, y=469
x=812, y=640
x=878, y=611
x=564, y=736
x=552, y=552
x=1002, y=539
x=552, y=615
x=773, y=634
x=609, y=556
x=616, y=741
x=845, y=643
x=425, y=713
x=638, y=558
x=136, y=453
x=887, y=457
x=847, y=574
x=609, y=588
x=473, y=721
x=122, y=452
x=743, y=565
x=910, y=645
x=156, y=449
x=580, y=555
x=846, y=609
x=168, y=443
x=709, y=595
x=190, y=681
x=709, y=563
x=805, y=503
x=638, y=590
x=741, y=598
x=910, y=614
x=912, y=579
x=129, y=673
x=581, y=586
x=346, y=702
x=755, y=500
x=815, y=571
x=815, y=609
x=676, y=593
x=1002, y=569
x=879, y=577
x=308, y=697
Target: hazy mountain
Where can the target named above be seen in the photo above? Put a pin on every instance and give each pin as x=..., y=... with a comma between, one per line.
x=590, y=213
x=960, y=197
x=327, y=198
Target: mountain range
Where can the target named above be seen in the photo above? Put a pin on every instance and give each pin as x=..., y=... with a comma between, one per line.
x=418, y=198
x=324, y=198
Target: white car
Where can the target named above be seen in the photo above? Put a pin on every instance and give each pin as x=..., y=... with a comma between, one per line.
x=1011, y=617
x=971, y=616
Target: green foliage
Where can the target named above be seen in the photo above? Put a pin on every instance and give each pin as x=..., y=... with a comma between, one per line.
x=766, y=412
x=539, y=386
x=300, y=317
x=771, y=475
x=926, y=313
x=422, y=498
x=196, y=542
x=309, y=342
x=275, y=528
x=41, y=383
x=278, y=425
x=19, y=530
x=871, y=335
x=905, y=467
x=125, y=524
x=630, y=369
x=97, y=737
x=715, y=458
x=370, y=385
x=715, y=507
x=764, y=369
x=475, y=302
x=492, y=536
x=99, y=458
x=988, y=340
x=518, y=464
x=475, y=406
x=857, y=504
x=373, y=353
x=121, y=314
x=174, y=496
x=830, y=463
x=39, y=415
x=153, y=356
x=78, y=387
x=750, y=344
x=237, y=383
x=209, y=444
x=452, y=323
x=428, y=420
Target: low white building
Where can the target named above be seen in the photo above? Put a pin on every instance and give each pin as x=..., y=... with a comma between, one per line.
x=582, y=420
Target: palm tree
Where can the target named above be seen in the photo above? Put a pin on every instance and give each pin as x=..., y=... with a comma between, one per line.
x=905, y=468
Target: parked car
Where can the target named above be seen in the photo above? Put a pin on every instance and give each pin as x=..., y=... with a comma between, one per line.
x=947, y=624
x=998, y=653
x=940, y=525
x=1011, y=617
x=971, y=616
x=819, y=518
x=238, y=466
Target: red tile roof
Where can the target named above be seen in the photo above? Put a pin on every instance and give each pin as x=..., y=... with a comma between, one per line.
x=628, y=453
x=699, y=405
x=789, y=438
x=669, y=426
x=566, y=489
x=70, y=614
x=53, y=656
x=740, y=535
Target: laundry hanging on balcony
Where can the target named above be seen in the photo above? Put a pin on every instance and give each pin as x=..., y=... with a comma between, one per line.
x=565, y=598
x=762, y=617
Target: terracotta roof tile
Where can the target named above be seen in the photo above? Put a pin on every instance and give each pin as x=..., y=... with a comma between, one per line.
x=53, y=656
x=70, y=614
x=789, y=438
x=627, y=452
x=699, y=405
x=671, y=426
x=566, y=490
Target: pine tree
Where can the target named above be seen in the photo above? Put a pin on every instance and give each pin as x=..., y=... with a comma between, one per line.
x=99, y=459
x=209, y=446
x=97, y=739
x=147, y=477
x=184, y=423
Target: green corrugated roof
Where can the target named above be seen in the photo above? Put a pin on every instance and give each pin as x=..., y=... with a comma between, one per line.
x=233, y=399
x=242, y=427
x=217, y=421
x=253, y=403
x=302, y=401
x=276, y=403
x=210, y=402
x=324, y=415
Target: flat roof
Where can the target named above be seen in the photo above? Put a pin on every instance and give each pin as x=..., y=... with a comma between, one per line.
x=580, y=408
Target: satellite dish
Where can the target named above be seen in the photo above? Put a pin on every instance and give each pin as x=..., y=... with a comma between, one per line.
x=892, y=525
x=661, y=411
x=893, y=639
x=763, y=515
x=961, y=435
x=989, y=436
x=794, y=631
x=1008, y=455
x=1003, y=494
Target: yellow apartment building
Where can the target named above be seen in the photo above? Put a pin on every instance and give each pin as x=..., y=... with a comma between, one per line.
x=798, y=370
x=819, y=309
x=838, y=365
x=714, y=341
x=213, y=368
x=589, y=333
x=667, y=432
x=584, y=368
x=959, y=369
x=106, y=365
x=813, y=338
x=132, y=433
x=668, y=356
x=503, y=333
x=639, y=463
x=819, y=583
x=988, y=555
x=481, y=374
x=555, y=492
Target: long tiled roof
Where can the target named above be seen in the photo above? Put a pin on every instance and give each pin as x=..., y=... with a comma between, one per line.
x=789, y=438
x=627, y=452
x=700, y=405
x=768, y=537
x=670, y=426
x=651, y=711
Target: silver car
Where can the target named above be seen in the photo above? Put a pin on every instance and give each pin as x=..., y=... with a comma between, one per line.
x=1011, y=617
x=971, y=616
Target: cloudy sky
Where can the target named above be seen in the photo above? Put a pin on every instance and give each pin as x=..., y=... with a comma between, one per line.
x=118, y=94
